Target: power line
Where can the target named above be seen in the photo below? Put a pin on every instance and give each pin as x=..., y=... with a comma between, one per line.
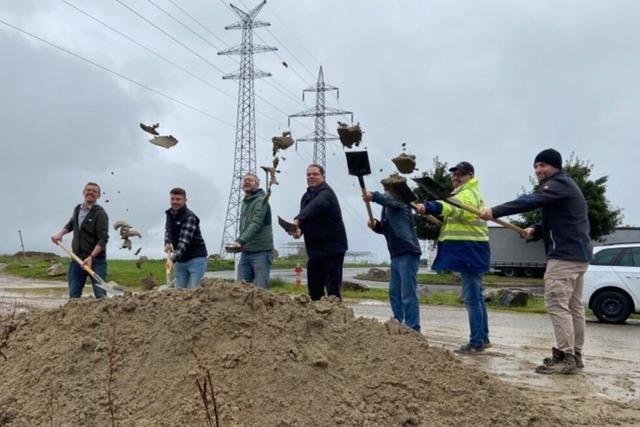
x=298, y=40
x=164, y=58
x=211, y=44
x=288, y=93
x=184, y=25
x=199, y=23
x=122, y=76
x=191, y=50
x=287, y=49
x=170, y=36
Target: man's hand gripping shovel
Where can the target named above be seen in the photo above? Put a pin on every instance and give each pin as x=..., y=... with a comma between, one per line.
x=169, y=279
x=111, y=288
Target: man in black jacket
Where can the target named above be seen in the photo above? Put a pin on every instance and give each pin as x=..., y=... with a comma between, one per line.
x=325, y=238
x=565, y=230
x=90, y=225
x=183, y=241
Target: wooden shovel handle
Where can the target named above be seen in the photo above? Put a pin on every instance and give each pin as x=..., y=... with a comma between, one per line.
x=364, y=193
x=473, y=210
x=429, y=218
x=85, y=267
x=368, y=205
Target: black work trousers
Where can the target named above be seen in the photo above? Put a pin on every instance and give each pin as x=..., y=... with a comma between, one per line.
x=325, y=272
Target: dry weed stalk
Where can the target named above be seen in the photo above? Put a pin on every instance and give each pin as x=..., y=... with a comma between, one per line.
x=50, y=407
x=112, y=366
x=7, y=328
x=205, y=388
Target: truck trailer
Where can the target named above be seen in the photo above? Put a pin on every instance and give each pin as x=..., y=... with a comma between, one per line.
x=513, y=256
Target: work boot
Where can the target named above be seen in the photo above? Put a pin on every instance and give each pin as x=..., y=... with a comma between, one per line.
x=565, y=366
x=468, y=349
x=556, y=356
x=579, y=362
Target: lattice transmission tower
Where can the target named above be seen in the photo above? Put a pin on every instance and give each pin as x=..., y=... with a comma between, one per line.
x=245, y=152
x=320, y=111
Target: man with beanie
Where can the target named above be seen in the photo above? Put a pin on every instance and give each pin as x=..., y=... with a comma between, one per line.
x=463, y=246
x=565, y=230
x=398, y=227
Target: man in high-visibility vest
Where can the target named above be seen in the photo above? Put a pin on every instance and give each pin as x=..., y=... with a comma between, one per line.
x=463, y=246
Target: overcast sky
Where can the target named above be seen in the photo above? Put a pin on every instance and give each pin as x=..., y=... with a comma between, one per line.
x=490, y=82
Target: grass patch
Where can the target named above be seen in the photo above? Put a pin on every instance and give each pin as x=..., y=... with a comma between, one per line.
x=536, y=304
x=126, y=274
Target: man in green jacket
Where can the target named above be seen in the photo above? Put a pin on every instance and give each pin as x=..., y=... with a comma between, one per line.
x=90, y=226
x=256, y=235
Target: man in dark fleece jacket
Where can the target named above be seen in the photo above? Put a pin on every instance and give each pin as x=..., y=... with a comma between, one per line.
x=325, y=238
x=565, y=230
x=90, y=225
x=398, y=226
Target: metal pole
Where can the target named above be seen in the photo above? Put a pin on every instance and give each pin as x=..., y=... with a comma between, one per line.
x=24, y=255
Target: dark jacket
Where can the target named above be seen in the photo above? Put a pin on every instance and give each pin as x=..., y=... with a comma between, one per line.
x=565, y=221
x=321, y=222
x=93, y=231
x=397, y=225
x=256, y=234
x=182, y=230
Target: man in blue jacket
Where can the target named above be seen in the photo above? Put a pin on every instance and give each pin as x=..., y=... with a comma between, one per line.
x=325, y=238
x=565, y=230
x=398, y=227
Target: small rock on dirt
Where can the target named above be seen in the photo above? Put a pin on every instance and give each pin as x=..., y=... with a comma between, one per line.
x=56, y=269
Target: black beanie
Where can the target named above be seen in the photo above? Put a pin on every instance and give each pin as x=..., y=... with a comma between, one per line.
x=550, y=157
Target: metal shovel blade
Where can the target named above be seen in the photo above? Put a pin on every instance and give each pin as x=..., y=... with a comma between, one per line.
x=358, y=163
x=400, y=191
x=289, y=227
x=432, y=187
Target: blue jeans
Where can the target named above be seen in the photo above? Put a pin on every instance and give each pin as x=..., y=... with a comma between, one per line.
x=255, y=267
x=403, y=289
x=77, y=276
x=190, y=273
x=476, y=308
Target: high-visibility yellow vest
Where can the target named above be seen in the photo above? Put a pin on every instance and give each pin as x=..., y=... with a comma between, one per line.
x=460, y=224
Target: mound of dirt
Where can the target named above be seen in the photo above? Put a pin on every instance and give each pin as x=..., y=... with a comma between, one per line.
x=47, y=256
x=273, y=360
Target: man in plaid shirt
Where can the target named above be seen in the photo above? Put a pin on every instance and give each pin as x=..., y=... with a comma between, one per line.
x=183, y=240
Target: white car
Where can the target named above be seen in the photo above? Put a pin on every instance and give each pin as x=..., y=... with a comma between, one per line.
x=612, y=282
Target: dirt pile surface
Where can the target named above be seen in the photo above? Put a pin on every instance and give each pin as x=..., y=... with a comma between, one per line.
x=274, y=361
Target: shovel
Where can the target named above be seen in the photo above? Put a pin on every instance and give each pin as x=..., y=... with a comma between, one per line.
x=358, y=164
x=168, y=279
x=111, y=287
x=436, y=190
x=400, y=191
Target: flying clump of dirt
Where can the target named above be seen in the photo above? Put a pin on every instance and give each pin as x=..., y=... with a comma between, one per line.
x=273, y=361
x=282, y=142
x=349, y=135
x=405, y=163
x=126, y=232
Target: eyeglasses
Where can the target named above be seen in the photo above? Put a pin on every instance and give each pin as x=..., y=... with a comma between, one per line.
x=458, y=174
